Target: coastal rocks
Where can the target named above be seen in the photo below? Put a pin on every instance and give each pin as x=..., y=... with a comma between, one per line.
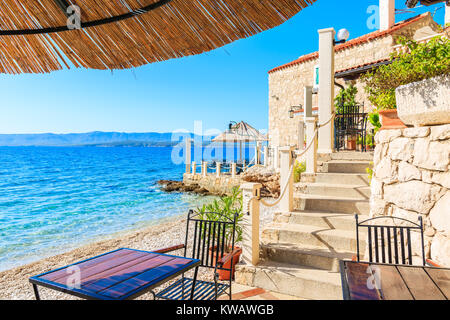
x=179, y=186
x=269, y=179
x=411, y=180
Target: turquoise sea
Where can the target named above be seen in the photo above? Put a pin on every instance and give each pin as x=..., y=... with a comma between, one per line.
x=53, y=199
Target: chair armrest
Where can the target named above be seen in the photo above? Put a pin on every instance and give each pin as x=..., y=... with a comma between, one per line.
x=169, y=249
x=228, y=256
x=432, y=263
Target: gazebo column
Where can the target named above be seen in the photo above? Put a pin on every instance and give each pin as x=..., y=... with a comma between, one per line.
x=326, y=89
x=187, y=154
x=258, y=153
x=204, y=168
x=218, y=169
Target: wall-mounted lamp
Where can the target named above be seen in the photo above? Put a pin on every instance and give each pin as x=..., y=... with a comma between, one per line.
x=342, y=36
x=293, y=109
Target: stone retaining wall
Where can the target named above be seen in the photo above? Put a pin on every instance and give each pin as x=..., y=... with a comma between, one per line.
x=411, y=179
x=216, y=185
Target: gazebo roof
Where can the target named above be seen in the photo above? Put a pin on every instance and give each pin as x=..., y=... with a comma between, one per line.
x=241, y=132
x=119, y=34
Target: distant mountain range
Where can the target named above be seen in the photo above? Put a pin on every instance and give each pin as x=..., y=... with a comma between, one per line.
x=96, y=138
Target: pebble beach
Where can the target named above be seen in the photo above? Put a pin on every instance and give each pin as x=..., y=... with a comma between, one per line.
x=14, y=283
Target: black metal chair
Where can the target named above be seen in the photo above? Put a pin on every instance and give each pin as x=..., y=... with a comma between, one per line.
x=383, y=240
x=206, y=234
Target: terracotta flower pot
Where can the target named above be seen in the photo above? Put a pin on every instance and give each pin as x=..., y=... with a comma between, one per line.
x=390, y=120
x=351, y=144
x=225, y=274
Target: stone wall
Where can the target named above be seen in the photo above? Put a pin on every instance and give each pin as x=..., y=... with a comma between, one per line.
x=215, y=185
x=286, y=85
x=411, y=179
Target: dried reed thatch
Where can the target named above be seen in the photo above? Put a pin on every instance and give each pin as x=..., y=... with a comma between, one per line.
x=119, y=34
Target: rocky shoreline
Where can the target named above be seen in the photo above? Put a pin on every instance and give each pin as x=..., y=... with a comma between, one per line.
x=179, y=186
x=269, y=179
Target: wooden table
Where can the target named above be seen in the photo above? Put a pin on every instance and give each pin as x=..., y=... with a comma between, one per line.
x=371, y=281
x=116, y=275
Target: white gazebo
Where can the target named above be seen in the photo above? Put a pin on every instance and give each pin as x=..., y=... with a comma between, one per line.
x=242, y=132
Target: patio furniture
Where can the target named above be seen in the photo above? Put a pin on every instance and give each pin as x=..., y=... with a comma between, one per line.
x=372, y=281
x=208, y=245
x=117, y=275
x=389, y=243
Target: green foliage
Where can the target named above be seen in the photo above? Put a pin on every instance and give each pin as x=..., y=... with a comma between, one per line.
x=346, y=98
x=369, y=171
x=299, y=168
x=374, y=119
x=224, y=209
x=418, y=62
x=369, y=140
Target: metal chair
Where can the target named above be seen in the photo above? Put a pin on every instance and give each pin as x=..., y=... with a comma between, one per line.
x=206, y=234
x=383, y=240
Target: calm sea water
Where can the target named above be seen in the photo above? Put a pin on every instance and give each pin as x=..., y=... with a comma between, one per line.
x=56, y=199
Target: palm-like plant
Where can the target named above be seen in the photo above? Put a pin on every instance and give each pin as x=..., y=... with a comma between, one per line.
x=224, y=210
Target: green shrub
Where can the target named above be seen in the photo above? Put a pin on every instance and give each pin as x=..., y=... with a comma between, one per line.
x=223, y=210
x=374, y=119
x=418, y=62
x=369, y=171
x=299, y=168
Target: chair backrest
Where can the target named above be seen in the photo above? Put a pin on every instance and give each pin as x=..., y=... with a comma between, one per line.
x=209, y=237
x=389, y=243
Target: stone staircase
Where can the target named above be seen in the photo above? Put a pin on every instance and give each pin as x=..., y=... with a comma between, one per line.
x=300, y=250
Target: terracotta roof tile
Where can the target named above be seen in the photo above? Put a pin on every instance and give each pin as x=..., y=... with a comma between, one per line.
x=355, y=42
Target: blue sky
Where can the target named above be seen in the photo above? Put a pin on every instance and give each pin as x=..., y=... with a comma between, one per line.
x=229, y=83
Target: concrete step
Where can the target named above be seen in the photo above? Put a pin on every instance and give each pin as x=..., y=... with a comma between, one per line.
x=310, y=256
x=343, y=178
x=307, y=202
x=346, y=155
x=346, y=166
x=303, y=282
x=332, y=239
x=319, y=219
x=336, y=190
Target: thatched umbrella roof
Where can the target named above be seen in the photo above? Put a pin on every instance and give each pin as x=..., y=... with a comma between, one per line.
x=241, y=132
x=119, y=34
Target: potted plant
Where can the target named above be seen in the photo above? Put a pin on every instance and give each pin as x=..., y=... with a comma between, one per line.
x=415, y=63
x=351, y=143
x=224, y=209
x=359, y=143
